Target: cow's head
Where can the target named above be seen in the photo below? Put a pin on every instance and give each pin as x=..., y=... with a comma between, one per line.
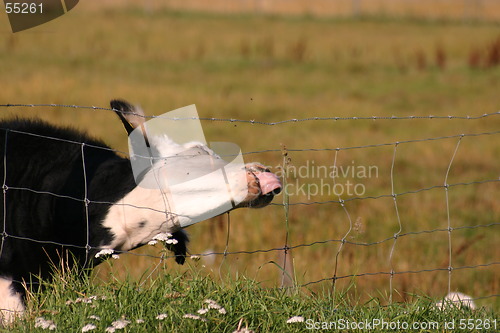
x=196, y=181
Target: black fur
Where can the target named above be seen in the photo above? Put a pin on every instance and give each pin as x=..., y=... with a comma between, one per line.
x=121, y=107
x=44, y=196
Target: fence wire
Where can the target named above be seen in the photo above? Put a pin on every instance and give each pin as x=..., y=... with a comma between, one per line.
x=259, y=122
x=344, y=240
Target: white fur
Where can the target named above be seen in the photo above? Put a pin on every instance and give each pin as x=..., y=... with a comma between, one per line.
x=163, y=211
x=187, y=187
x=11, y=304
x=124, y=219
x=165, y=146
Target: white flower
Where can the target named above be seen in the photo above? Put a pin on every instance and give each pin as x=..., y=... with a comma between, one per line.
x=88, y=327
x=192, y=316
x=110, y=329
x=161, y=316
x=94, y=317
x=163, y=236
x=45, y=324
x=139, y=321
x=212, y=304
x=295, y=319
x=195, y=258
x=104, y=252
x=115, y=256
x=209, y=301
x=87, y=300
x=202, y=311
x=120, y=324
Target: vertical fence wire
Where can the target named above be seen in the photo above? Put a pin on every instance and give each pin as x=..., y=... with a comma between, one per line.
x=400, y=228
x=286, y=208
x=448, y=219
x=86, y=202
x=344, y=238
x=226, y=246
x=4, y=190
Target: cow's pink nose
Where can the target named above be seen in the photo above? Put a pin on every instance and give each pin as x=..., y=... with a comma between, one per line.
x=268, y=182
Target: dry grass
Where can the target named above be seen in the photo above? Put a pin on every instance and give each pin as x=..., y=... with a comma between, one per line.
x=270, y=69
x=422, y=9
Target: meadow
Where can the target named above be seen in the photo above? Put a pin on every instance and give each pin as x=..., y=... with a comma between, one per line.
x=270, y=68
x=193, y=303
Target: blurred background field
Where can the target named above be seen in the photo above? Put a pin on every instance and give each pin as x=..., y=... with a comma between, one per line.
x=276, y=60
x=467, y=10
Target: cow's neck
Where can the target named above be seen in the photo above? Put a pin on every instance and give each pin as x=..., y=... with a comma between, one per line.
x=144, y=212
x=138, y=217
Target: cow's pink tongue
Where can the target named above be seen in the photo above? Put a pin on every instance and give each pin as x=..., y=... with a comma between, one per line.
x=268, y=182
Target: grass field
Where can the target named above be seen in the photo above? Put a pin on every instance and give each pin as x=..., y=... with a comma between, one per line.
x=192, y=303
x=466, y=10
x=273, y=68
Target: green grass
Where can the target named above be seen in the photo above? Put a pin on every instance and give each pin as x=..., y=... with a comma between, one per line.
x=272, y=68
x=245, y=304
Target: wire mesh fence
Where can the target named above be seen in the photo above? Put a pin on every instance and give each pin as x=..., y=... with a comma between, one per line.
x=366, y=233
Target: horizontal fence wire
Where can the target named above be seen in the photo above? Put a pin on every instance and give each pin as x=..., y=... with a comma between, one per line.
x=258, y=122
x=275, y=249
x=286, y=248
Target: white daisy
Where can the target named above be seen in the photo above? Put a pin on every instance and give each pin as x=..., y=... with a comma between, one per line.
x=45, y=324
x=295, y=319
x=120, y=324
x=161, y=316
x=192, y=316
x=88, y=327
x=202, y=311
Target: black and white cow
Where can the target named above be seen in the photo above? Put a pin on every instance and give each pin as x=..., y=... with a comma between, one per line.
x=67, y=196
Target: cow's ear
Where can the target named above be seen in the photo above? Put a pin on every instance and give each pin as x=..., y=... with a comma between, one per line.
x=131, y=116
